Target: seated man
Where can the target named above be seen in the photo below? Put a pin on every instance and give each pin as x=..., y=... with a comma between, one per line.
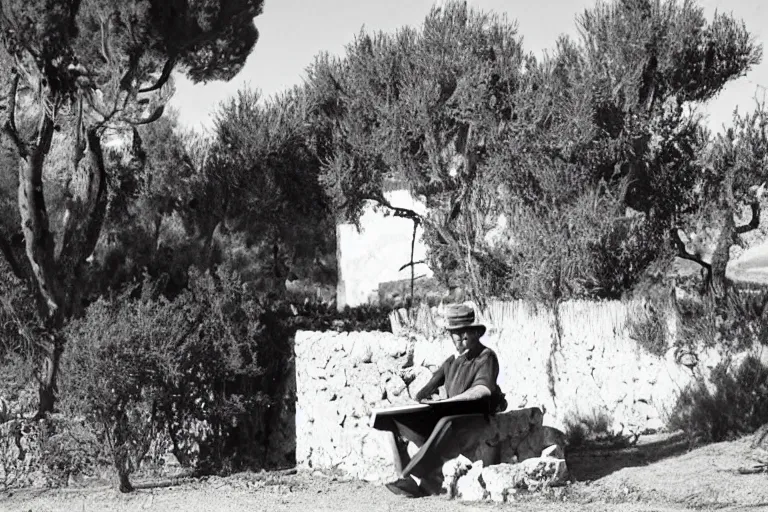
x=470, y=384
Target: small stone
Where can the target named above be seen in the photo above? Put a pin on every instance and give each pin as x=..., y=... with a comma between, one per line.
x=541, y=472
x=452, y=471
x=361, y=353
x=470, y=486
x=422, y=376
x=395, y=386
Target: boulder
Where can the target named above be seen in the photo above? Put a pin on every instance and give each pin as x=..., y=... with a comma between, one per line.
x=537, y=441
x=501, y=481
x=543, y=472
x=361, y=353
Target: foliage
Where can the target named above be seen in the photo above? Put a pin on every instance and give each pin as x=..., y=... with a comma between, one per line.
x=734, y=323
x=730, y=190
x=261, y=181
x=733, y=403
x=649, y=330
x=593, y=429
x=76, y=71
x=543, y=179
x=119, y=361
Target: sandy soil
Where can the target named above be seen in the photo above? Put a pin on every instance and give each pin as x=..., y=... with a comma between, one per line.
x=657, y=475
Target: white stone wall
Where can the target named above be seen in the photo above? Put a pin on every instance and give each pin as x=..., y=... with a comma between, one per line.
x=596, y=370
x=340, y=377
x=375, y=253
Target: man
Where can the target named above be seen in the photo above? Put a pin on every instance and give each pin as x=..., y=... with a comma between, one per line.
x=446, y=428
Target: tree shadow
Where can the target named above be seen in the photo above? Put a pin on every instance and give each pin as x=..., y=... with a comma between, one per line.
x=593, y=461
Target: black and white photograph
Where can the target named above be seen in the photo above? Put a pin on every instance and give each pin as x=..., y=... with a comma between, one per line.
x=358, y=256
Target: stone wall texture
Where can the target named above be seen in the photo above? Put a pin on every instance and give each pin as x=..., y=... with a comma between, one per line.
x=579, y=365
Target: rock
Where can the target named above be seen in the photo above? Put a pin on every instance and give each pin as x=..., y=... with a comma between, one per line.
x=390, y=347
x=395, y=386
x=421, y=377
x=452, y=471
x=347, y=344
x=431, y=353
x=470, y=486
x=361, y=353
x=555, y=451
x=543, y=472
x=501, y=481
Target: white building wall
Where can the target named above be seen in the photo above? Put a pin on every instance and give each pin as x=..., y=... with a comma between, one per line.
x=375, y=253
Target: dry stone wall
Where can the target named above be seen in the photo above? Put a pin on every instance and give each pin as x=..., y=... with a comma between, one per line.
x=580, y=365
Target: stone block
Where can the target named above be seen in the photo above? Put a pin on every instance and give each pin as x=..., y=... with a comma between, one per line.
x=421, y=376
x=390, y=347
x=452, y=471
x=540, y=437
x=431, y=353
x=501, y=481
x=361, y=353
x=543, y=472
x=395, y=387
x=470, y=487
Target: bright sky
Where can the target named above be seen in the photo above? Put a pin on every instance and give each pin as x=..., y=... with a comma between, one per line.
x=292, y=32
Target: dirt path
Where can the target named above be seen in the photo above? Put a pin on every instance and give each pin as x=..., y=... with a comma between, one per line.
x=301, y=492
x=650, y=477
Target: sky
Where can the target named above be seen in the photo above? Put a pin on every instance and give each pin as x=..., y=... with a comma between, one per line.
x=292, y=32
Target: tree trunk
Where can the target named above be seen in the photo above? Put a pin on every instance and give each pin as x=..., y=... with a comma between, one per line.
x=57, y=268
x=125, y=481
x=717, y=281
x=47, y=387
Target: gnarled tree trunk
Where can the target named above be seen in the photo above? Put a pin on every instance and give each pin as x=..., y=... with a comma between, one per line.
x=57, y=267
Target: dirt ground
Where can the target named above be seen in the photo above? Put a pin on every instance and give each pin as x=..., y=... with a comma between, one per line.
x=659, y=474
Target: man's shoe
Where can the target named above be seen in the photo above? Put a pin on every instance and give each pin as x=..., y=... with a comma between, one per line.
x=405, y=487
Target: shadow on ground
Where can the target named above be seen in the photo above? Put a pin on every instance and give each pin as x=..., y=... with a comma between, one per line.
x=593, y=462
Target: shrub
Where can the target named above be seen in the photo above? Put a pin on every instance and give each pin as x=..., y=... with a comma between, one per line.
x=735, y=403
x=650, y=331
x=592, y=428
x=115, y=371
x=218, y=410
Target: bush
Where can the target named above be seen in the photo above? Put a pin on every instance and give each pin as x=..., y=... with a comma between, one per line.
x=204, y=369
x=119, y=361
x=591, y=429
x=736, y=403
x=650, y=331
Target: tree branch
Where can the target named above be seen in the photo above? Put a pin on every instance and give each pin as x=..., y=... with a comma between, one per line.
x=164, y=76
x=9, y=127
x=754, y=222
x=683, y=253
x=411, y=264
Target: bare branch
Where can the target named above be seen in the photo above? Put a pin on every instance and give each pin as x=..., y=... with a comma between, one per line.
x=411, y=264
x=9, y=127
x=683, y=253
x=106, y=51
x=164, y=76
x=754, y=222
